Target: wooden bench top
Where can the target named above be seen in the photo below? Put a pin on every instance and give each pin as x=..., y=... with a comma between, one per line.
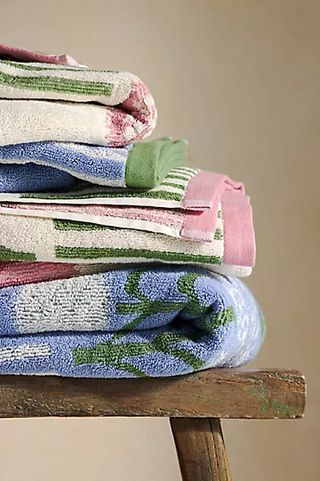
x=215, y=393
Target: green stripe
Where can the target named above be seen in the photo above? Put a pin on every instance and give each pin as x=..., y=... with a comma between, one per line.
x=66, y=225
x=187, y=170
x=7, y=254
x=64, y=252
x=178, y=172
x=57, y=84
x=163, y=195
x=179, y=177
x=176, y=186
x=218, y=235
x=147, y=195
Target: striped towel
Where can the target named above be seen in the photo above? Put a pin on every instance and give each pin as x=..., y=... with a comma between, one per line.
x=195, y=225
x=24, y=238
x=182, y=188
x=47, y=166
x=100, y=107
x=183, y=224
x=128, y=323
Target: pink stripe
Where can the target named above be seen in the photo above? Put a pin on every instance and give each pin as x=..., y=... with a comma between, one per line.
x=168, y=217
x=25, y=55
x=18, y=273
x=239, y=238
x=205, y=189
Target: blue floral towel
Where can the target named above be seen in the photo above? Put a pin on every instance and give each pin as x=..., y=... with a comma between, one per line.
x=128, y=323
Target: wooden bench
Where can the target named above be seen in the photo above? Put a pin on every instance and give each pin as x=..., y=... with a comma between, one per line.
x=194, y=403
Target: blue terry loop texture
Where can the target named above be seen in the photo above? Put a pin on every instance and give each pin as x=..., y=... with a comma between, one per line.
x=129, y=323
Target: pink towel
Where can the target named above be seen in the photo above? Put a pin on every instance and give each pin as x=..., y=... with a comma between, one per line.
x=239, y=237
x=14, y=53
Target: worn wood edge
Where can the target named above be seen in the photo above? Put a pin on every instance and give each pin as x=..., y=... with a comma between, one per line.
x=217, y=393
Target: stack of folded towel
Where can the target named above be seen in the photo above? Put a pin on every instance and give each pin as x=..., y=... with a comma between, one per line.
x=116, y=259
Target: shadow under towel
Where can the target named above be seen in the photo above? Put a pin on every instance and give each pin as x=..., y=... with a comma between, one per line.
x=129, y=323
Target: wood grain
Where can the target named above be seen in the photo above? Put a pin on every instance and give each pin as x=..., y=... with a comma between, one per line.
x=200, y=448
x=218, y=393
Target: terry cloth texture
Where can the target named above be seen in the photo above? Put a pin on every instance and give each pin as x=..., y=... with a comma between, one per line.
x=129, y=323
x=142, y=165
x=53, y=240
x=33, y=178
x=100, y=107
x=182, y=188
x=19, y=273
x=16, y=273
x=174, y=223
x=198, y=226
x=67, y=122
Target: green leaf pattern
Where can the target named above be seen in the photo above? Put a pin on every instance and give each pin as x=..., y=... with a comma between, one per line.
x=116, y=352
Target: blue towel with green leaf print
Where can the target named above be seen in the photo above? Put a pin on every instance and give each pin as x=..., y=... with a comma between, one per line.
x=129, y=323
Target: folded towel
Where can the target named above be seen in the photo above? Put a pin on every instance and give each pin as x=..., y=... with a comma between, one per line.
x=183, y=224
x=182, y=188
x=198, y=226
x=144, y=165
x=25, y=238
x=100, y=107
x=68, y=122
x=136, y=323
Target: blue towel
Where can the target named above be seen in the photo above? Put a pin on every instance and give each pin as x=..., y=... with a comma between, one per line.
x=33, y=178
x=41, y=166
x=129, y=323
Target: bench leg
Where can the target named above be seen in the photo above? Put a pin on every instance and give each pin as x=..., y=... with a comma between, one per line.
x=201, y=450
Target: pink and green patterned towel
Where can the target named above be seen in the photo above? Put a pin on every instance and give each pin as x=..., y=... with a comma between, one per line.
x=194, y=225
x=25, y=238
x=53, y=166
x=183, y=224
x=223, y=229
x=129, y=323
x=183, y=188
x=101, y=107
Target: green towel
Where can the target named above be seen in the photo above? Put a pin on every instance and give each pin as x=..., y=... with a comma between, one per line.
x=149, y=162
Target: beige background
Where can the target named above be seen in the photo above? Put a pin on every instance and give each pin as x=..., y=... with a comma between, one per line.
x=240, y=79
